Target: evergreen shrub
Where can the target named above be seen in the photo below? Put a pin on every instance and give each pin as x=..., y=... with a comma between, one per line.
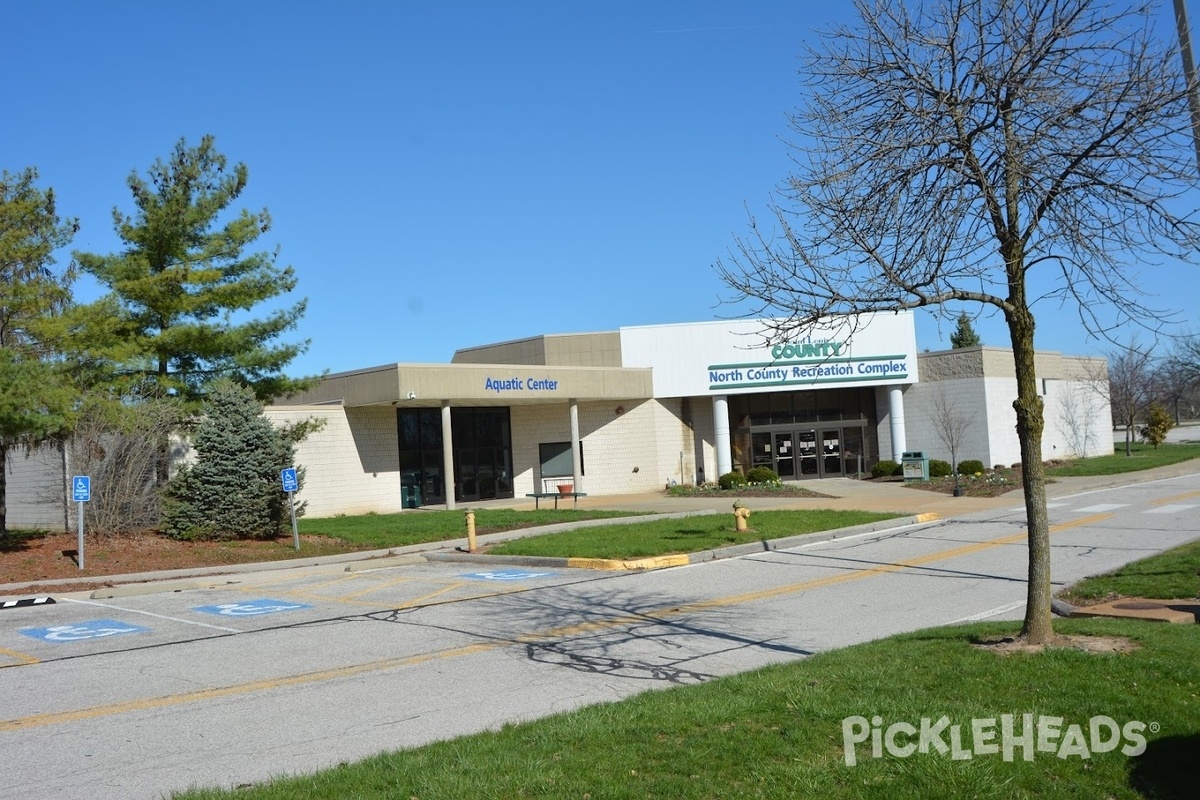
x=886, y=468
x=232, y=490
x=732, y=480
x=762, y=475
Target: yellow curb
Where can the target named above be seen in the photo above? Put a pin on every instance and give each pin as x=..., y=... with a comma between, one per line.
x=655, y=562
x=928, y=517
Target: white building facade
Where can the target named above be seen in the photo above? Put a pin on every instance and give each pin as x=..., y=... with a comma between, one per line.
x=644, y=407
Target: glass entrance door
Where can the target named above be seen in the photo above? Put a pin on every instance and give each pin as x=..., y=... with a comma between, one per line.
x=831, y=453
x=809, y=463
x=785, y=455
x=853, y=455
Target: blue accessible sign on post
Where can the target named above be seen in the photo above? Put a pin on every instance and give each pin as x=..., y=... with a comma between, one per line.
x=291, y=484
x=81, y=489
x=81, y=492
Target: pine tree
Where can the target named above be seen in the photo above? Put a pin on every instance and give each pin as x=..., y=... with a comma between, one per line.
x=964, y=334
x=36, y=399
x=232, y=490
x=182, y=276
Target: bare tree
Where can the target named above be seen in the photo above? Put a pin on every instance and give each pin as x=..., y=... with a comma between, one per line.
x=951, y=427
x=117, y=445
x=1179, y=381
x=992, y=151
x=1131, y=387
x=1078, y=406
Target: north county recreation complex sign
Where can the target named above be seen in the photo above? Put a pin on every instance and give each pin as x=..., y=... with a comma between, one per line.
x=744, y=356
x=809, y=373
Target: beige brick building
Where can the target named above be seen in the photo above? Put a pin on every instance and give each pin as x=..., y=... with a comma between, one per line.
x=640, y=408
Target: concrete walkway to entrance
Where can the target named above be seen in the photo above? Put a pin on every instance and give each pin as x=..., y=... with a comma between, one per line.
x=850, y=494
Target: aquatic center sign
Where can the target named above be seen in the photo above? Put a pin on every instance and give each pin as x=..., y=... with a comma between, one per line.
x=516, y=384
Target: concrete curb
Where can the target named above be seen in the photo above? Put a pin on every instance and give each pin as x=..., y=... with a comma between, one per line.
x=682, y=559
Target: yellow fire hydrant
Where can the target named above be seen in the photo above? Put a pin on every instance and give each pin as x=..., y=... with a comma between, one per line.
x=470, y=531
x=740, y=515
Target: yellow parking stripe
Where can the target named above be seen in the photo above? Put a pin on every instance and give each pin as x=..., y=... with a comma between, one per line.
x=38, y=720
x=23, y=659
x=1168, y=500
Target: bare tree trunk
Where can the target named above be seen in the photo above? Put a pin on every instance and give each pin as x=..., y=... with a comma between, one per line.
x=1038, y=627
x=3, y=490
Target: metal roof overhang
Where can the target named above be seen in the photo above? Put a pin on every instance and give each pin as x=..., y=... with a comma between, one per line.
x=426, y=385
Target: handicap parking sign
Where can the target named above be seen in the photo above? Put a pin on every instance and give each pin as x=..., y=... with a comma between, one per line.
x=250, y=608
x=289, y=479
x=83, y=631
x=81, y=489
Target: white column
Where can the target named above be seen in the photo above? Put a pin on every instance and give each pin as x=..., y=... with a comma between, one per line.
x=721, y=434
x=576, y=455
x=896, y=416
x=447, y=455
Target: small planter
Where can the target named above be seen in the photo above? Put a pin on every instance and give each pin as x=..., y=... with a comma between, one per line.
x=565, y=489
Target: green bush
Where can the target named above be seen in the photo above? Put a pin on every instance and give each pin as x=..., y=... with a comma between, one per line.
x=970, y=467
x=232, y=489
x=762, y=475
x=886, y=468
x=939, y=468
x=732, y=480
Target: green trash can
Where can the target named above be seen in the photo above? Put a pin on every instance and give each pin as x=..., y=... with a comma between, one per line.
x=916, y=466
x=410, y=494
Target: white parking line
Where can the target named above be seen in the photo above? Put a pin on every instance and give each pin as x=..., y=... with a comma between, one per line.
x=1101, y=508
x=1174, y=509
x=998, y=610
x=152, y=614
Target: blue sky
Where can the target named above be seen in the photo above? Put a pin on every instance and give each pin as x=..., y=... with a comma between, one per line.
x=447, y=174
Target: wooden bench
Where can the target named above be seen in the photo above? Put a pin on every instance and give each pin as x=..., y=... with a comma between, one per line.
x=539, y=496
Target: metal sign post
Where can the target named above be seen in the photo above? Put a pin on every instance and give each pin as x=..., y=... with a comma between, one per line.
x=290, y=485
x=81, y=492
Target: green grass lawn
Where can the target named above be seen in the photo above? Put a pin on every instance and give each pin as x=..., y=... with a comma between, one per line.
x=687, y=535
x=416, y=527
x=1172, y=575
x=1144, y=457
x=785, y=731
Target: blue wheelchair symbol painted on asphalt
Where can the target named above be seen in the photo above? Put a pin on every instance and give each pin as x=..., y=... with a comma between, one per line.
x=250, y=608
x=506, y=575
x=83, y=631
